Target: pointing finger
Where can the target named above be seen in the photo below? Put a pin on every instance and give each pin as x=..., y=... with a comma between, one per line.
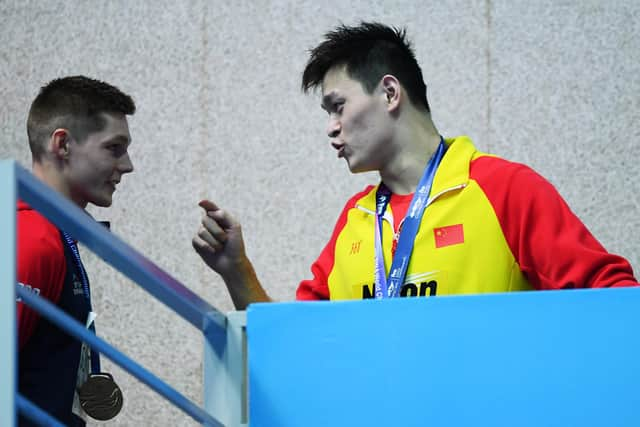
x=208, y=205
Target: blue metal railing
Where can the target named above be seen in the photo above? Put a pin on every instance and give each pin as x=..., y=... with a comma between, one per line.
x=7, y=294
x=68, y=217
x=34, y=413
x=114, y=251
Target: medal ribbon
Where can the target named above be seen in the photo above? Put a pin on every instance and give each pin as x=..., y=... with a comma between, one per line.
x=95, y=356
x=390, y=287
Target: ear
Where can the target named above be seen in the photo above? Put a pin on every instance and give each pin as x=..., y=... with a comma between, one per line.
x=392, y=91
x=59, y=143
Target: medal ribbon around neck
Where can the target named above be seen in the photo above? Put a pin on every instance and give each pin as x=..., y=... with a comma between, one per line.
x=390, y=288
x=100, y=397
x=95, y=357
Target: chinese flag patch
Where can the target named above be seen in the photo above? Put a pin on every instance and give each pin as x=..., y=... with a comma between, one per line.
x=449, y=235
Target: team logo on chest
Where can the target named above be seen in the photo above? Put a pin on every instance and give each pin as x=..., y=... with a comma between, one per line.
x=355, y=247
x=77, y=285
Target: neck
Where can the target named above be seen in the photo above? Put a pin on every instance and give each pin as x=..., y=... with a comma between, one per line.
x=52, y=176
x=416, y=142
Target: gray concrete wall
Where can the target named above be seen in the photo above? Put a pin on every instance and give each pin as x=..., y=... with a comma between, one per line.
x=554, y=84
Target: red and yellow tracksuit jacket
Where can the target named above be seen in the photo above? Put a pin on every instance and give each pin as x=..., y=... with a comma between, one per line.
x=490, y=226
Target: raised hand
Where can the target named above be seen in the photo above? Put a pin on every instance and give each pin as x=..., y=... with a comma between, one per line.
x=220, y=244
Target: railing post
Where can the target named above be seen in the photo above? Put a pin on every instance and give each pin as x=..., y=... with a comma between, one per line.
x=8, y=366
x=225, y=371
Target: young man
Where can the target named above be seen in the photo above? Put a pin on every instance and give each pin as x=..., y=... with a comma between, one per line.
x=79, y=137
x=445, y=218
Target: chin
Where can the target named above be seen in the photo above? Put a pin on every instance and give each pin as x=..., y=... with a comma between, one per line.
x=353, y=166
x=358, y=168
x=103, y=202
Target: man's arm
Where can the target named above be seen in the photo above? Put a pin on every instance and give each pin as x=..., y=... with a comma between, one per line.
x=553, y=248
x=220, y=244
x=40, y=268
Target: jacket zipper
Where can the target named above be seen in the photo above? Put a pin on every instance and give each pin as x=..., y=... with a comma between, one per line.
x=389, y=218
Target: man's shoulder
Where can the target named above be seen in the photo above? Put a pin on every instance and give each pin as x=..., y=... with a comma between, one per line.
x=490, y=168
x=36, y=236
x=510, y=184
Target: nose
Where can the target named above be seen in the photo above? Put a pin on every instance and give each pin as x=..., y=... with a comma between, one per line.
x=333, y=128
x=125, y=165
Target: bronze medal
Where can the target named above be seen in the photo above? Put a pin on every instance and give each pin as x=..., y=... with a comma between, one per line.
x=100, y=397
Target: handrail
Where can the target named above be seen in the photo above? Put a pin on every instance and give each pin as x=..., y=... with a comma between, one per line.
x=34, y=413
x=68, y=217
x=77, y=330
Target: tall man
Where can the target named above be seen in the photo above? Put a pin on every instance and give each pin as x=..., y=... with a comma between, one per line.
x=445, y=218
x=79, y=137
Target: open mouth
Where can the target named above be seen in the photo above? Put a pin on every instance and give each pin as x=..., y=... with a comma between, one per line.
x=339, y=148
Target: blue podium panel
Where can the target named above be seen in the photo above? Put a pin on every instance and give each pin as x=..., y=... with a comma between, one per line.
x=563, y=358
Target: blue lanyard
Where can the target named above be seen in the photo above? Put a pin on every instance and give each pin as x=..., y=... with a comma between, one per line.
x=389, y=288
x=95, y=357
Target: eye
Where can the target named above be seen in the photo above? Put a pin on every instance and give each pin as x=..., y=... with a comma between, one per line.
x=338, y=106
x=334, y=106
x=117, y=149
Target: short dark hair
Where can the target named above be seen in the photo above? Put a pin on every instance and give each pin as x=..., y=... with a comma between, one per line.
x=75, y=103
x=368, y=52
